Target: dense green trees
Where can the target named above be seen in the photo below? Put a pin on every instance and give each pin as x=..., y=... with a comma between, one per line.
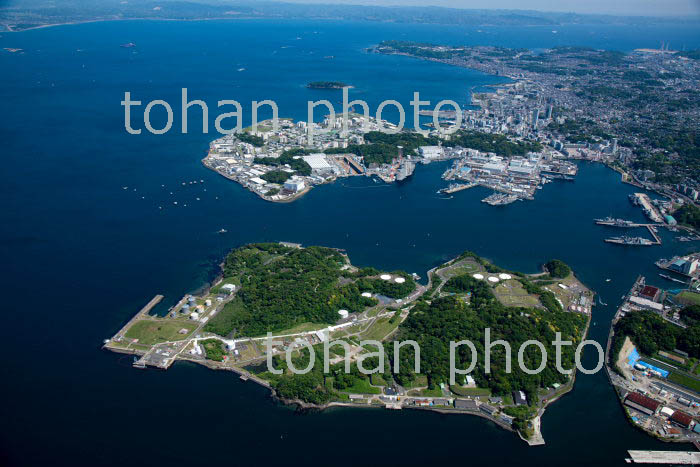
x=249, y=138
x=434, y=325
x=382, y=148
x=214, y=349
x=690, y=315
x=557, y=268
x=688, y=214
x=489, y=142
x=376, y=153
x=309, y=387
x=447, y=319
x=388, y=288
x=276, y=176
x=651, y=333
x=284, y=286
x=290, y=158
x=317, y=387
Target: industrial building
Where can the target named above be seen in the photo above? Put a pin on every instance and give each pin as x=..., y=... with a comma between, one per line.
x=682, y=419
x=642, y=403
x=465, y=404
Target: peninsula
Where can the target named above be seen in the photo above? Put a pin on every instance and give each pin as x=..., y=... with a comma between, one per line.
x=653, y=351
x=308, y=296
x=280, y=166
x=636, y=112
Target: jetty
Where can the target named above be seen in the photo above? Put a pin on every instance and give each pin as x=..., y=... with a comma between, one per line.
x=455, y=187
x=652, y=228
x=664, y=457
x=141, y=314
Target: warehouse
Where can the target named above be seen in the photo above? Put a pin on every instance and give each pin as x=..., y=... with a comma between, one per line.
x=465, y=404
x=318, y=163
x=641, y=403
x=682, y=419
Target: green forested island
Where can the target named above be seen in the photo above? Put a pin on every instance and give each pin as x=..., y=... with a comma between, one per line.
x=310, y=297
x=327, y=85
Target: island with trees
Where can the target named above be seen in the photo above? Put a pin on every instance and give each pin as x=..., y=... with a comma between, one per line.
x=327, y=85
x=278, y=306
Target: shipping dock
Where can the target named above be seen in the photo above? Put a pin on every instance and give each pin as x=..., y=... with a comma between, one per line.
x=455, y=187
x=609, y=221
x=652, y=228
x=630, y=241
x=499, y=199
x=664, y=457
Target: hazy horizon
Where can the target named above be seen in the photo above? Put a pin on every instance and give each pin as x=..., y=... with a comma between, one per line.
x=650, y=8
x=604, y=7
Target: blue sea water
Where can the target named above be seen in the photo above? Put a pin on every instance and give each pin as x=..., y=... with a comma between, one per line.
x=80, y=254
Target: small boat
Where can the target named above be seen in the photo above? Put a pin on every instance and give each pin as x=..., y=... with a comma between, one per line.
x=128, y=45
x=222, y=231
x=607, y=280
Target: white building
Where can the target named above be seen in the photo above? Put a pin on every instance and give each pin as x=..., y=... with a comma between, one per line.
x=646, y=303
x=431, y=152
x=318, y=162
x=294, y=186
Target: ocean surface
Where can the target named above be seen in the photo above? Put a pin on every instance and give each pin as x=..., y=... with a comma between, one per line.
x=89, y=234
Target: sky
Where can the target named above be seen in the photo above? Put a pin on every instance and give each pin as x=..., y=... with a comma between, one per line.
x=611, y=7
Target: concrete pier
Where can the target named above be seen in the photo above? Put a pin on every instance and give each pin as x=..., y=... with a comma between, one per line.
x=664, y=457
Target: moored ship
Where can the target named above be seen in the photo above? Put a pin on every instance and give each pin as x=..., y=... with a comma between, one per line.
x=614, y=222
x=499, y=199
x=630, y=241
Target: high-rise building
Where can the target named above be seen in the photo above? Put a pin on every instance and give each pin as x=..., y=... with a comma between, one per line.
x=535, y=117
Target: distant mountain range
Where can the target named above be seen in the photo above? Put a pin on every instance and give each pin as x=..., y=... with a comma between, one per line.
x=26, y=14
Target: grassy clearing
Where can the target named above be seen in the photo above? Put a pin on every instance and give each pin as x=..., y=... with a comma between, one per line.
x=512, y=293
x=249, y=352
x=435, y=392
x=688, y=298
x=684, y=380
x=420, y=381
x=377, y=380
x=214, y=349
x=362, y=386
x=380, y=329
x=461, y=391
x=684, y=366
x=227, y=280
x=150, y=332
x=467, y=267
x=224, y=321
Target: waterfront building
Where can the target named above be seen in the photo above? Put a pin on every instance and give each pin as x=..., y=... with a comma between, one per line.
x=294, y=186
x=642, y=403
x=431, y=152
